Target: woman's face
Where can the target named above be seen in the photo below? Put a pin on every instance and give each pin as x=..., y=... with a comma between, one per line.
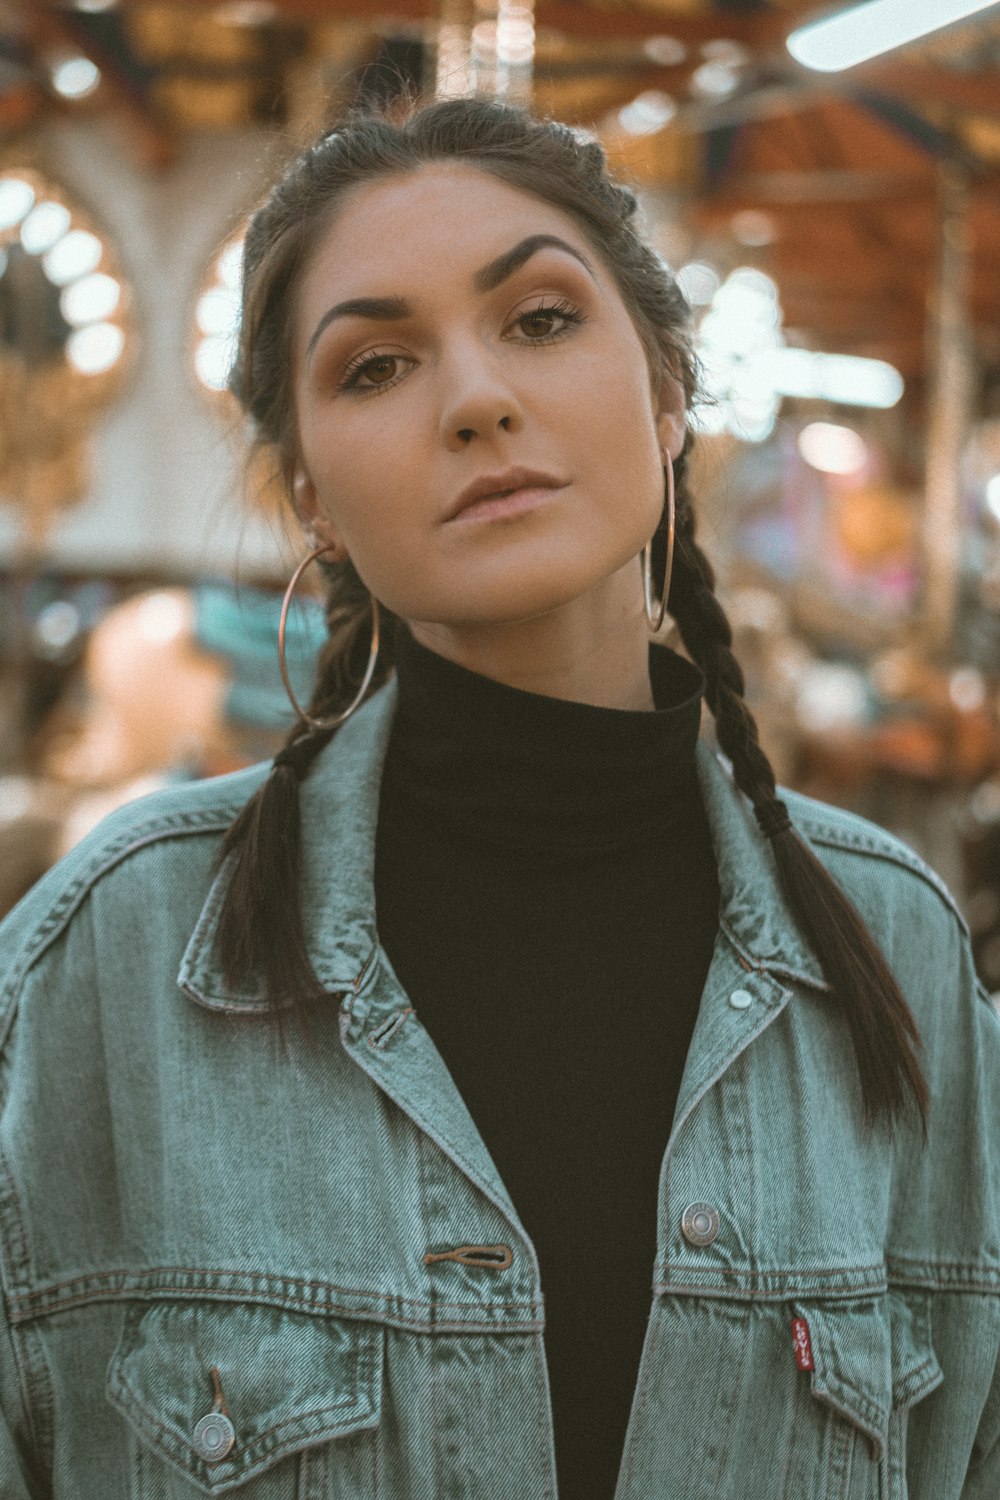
x=469, y=367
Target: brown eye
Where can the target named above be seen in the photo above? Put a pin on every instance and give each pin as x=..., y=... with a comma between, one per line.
x=550, y=321
x=379, y=368
x=372, y=373
x=541, y=321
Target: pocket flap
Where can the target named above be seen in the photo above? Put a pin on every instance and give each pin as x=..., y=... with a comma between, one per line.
x=915, y=1368
x=288, y=1381
x=852, y=1368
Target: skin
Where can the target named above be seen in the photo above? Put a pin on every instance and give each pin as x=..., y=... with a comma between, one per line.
x=550, y=599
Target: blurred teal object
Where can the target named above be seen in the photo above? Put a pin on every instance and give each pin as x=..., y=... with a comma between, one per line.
x=241, y=625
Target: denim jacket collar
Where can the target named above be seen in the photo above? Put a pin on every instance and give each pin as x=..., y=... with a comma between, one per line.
x=339, y=803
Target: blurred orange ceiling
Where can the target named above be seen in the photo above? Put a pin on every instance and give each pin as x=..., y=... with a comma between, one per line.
x=828, y=182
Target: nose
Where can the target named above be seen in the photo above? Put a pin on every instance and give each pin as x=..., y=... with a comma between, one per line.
x=478, y=397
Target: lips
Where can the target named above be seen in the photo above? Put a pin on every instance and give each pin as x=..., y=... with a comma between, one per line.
x=491, y=486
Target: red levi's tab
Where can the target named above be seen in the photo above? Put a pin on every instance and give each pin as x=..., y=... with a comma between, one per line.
x=803, y=1344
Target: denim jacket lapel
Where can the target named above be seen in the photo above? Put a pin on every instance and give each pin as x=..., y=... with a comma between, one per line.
x=339, y=809
x=758, y=944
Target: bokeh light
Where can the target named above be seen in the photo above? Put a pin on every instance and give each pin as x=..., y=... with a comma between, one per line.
x=94, y=349
x=833, y=449
x=90, y=300
x=44, y=226
x=16, y=199
x=75, y=77
x=74, y=255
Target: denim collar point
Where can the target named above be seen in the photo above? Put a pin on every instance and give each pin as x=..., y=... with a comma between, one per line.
x=755, y=913
x=339, y=802
x=339, y=809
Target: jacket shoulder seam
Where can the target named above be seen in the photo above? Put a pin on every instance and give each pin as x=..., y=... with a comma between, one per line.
x=860, y=841
x=104, y=858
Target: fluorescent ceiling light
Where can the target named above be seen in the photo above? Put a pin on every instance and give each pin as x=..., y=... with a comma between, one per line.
x=864, y=31
x=846, y=379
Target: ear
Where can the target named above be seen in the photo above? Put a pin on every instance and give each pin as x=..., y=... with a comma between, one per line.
x=670, y=423
x=316, y=524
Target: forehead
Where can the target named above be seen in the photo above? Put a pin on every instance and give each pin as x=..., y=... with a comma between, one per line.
x=439, y=221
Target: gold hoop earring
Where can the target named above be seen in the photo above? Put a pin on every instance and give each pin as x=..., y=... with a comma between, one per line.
x=372, y=654
x=655, y=614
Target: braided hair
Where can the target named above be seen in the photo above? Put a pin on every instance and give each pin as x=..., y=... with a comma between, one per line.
x=882, y=1027
x=260, y=933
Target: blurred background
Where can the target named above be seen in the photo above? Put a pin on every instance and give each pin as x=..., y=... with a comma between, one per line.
x=831, y=204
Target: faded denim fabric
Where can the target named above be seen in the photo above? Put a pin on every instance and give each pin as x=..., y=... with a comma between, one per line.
x=326, y=1230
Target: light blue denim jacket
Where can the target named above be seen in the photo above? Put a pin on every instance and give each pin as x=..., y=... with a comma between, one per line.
x=324, y=1228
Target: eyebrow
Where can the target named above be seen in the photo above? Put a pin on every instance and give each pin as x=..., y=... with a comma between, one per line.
x=486, y=279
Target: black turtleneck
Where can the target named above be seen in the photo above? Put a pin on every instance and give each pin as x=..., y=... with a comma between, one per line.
x=546, y=892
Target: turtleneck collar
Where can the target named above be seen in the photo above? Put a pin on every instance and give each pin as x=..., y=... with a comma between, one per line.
x=522, y=770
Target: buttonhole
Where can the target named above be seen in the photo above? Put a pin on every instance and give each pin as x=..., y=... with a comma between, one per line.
x=489, y=1257
x=219, y=1404
x=384, y=1033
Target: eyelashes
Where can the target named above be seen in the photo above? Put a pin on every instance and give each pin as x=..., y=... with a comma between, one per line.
x=361, y=366
x=568, y=315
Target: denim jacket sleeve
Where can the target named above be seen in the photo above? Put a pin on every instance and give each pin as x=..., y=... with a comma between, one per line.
x=323, y=1226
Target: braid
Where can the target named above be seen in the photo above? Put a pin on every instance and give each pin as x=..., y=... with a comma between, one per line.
x=260, y=932
x=261, y=929
x=881, y=1024
x=708, y=636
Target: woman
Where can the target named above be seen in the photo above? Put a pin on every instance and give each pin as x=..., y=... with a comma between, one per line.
x=611, y=1035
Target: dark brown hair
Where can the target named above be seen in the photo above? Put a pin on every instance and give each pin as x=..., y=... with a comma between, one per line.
x=261, y=932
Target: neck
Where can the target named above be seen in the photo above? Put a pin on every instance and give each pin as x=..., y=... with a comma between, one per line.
x=593, y=650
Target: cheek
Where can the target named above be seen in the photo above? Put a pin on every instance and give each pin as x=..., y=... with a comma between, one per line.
x=623, y=444
x=615, y=396
x=344, y=476
x=371, y=502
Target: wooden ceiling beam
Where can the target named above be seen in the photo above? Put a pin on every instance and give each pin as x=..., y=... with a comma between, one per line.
x=817, y=187
x=865, y=317
x=977, y=92
x=754, y=29
x=588, y=23
x=830, y=285
x=763, y=31
x=809, y=256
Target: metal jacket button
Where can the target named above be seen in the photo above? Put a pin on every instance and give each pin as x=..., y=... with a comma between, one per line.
x=214, y=1437
x=740, y=999
x=215, y=1434
x=700, y=1223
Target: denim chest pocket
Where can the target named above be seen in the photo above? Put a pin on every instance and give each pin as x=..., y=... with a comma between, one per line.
x=291, y=1401
x=872, y=1362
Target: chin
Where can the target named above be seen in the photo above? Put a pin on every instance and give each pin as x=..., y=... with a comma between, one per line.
x=507, y=601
